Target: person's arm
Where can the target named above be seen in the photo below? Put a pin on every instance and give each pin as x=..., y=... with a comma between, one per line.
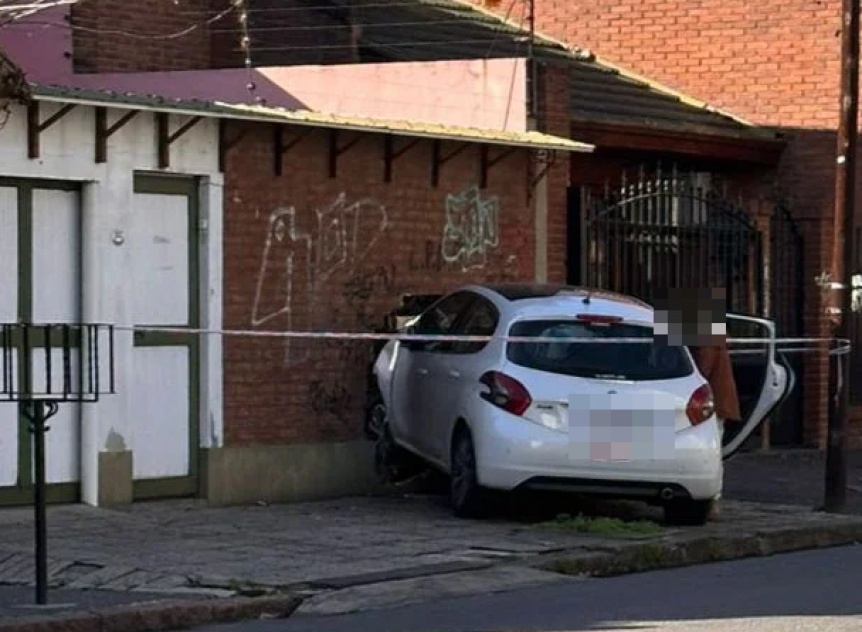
x=705, y=359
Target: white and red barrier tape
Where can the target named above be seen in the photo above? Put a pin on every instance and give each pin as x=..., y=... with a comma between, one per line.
x=841, y=348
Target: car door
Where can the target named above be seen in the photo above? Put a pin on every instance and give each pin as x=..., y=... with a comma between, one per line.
x=456, y=371
x=412, y=390
x=762, y=381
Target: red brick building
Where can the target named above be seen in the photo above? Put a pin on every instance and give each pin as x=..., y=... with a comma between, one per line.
x=327, y=230
x=775, y=64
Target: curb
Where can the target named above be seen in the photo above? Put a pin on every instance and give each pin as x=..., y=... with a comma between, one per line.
x=651, y=556
x=158, y=616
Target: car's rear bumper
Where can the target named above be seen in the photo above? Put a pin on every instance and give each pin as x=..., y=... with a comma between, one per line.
x=514, y=453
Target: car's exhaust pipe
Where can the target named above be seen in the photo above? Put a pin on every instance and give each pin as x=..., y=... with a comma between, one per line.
x=666, y=493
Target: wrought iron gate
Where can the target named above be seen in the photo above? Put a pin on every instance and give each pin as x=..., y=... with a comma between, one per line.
x=669, y=231
x=677, y=230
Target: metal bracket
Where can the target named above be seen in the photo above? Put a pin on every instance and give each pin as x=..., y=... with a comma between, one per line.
x=165, y=138
x=279, y=147
x=35, y=127
x=549, y=157
x=486, y=163
x=390, y=155
x=438, y=159
x=104, y=132
x=335, y=151
x=225, y=144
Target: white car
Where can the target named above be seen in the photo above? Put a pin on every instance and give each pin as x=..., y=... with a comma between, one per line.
x=629, y=420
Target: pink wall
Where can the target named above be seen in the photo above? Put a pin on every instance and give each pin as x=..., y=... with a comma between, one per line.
x=487, y=94
x=476, y=93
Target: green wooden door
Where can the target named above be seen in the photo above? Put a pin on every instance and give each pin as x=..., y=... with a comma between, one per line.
x=164, y=244
x=40, y=249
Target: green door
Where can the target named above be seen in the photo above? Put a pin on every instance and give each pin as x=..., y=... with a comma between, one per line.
x=40, y=248
x=164, y=249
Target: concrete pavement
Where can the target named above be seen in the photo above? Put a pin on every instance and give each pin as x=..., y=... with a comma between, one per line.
x=362, y=553
x=793, y=477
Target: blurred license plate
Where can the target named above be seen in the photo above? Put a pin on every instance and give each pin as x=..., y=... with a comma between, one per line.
x=621, y=427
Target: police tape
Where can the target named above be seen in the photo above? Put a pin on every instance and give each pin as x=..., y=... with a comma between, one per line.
x=842, y=347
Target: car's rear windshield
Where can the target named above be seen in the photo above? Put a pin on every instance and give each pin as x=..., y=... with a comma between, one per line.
x=606, y=360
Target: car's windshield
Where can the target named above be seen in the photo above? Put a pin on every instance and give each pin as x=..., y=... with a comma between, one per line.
x=607, y=360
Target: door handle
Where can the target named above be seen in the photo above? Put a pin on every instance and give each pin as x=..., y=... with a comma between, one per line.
x=422, y=371
x=454, y=373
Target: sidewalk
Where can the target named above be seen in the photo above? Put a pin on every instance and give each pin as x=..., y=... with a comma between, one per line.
x=353, y=554
x=794, y=477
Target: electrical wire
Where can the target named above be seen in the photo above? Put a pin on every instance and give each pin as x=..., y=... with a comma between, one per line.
x=358, y=5
x=403, y=44
x=270, y=29
x=139, y=36
x=10, y=12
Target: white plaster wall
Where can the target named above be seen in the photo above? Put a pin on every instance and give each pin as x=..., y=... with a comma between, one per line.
x=68, y=153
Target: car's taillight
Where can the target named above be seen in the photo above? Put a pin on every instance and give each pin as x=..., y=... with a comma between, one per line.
x=598, y=319
x=506, y=392
x=701, y=406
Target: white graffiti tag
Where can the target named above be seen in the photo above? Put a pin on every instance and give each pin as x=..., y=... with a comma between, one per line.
x=295, y=265
x=472, y=228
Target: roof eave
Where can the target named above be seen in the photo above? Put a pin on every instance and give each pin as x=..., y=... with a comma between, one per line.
x=233, y=112
x=742, y=146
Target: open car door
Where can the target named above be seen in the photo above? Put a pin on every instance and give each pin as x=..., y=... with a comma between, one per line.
x=763, y=381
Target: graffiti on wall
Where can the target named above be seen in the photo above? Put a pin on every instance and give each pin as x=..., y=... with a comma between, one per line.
x=297, y=264
x=472, y=228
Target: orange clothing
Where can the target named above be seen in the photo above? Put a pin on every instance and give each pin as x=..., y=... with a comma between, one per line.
x=714, y=363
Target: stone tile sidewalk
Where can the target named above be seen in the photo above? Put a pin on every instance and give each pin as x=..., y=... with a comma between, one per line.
x=367, y=552
x=183, y=546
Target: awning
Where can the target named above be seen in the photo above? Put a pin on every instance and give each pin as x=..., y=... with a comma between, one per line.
x=259, y=113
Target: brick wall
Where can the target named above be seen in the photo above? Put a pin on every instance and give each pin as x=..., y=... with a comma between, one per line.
x=141, y=36
x=356, y=244
x=773, y=62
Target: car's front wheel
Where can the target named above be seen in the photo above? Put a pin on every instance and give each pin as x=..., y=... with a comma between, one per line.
x=392, y=463
x=688, y=513
x=467, y=496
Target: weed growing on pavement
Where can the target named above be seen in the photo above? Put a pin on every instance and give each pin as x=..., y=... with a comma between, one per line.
x=603, y=526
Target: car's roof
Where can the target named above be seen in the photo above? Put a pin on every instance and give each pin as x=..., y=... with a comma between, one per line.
x=525, y=291
x=556, y=300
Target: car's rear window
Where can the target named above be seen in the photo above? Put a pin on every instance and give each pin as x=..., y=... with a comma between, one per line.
x=606, y=360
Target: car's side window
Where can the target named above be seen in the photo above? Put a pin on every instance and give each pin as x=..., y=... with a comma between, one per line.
x=440, y=319
x=480, y=320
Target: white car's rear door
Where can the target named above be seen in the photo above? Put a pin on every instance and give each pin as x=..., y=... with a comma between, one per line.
x=762, y=382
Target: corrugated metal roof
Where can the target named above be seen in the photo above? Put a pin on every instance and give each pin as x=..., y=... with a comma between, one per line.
x=601, y=93
x=427, y=30
x=531, y=139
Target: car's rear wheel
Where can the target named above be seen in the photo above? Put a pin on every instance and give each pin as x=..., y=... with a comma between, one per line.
x=466, y=495
x=688, y=513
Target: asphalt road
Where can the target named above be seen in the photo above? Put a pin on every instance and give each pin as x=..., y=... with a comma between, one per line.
x=817, y=590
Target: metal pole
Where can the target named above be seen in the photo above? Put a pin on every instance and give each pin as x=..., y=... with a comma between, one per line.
x=845, y=184
x=39, y=501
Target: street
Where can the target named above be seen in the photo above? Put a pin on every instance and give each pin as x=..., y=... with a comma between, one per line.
x=816, y=590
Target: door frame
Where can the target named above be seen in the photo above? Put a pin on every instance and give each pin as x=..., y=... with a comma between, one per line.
x=189, y=187
x=22, y=492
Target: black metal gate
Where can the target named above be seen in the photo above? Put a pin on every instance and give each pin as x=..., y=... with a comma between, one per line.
x=786, y=278
x=670, y=231
x=678, y=230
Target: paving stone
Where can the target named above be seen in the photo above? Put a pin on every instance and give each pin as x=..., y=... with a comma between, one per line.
x=101, y=577
x=161, y=544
